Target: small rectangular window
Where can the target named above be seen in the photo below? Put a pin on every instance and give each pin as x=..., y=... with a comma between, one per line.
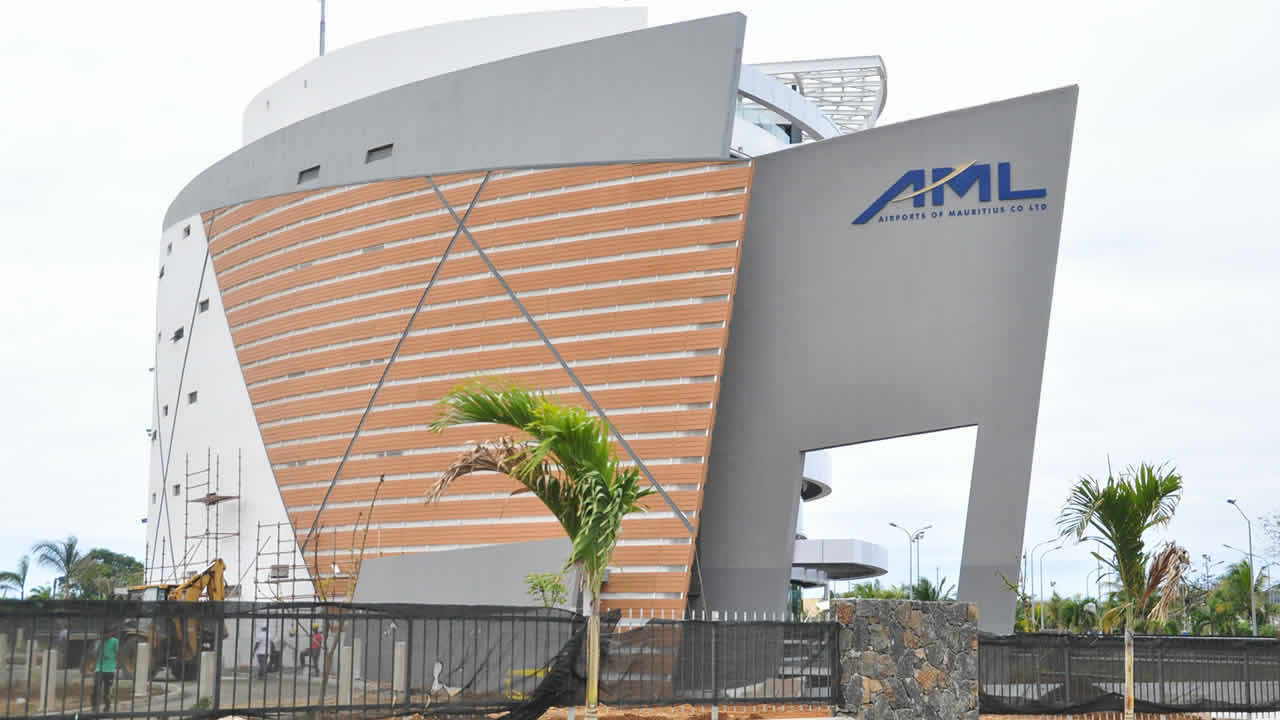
x=177, y=490
x=186, y=231
x=311, y=173
x=153, y=498
x=178, y=334
x=191, y=397
x=378, y=153
x=161, y=271
x=168, y=250
x=204, y=306
x=165, y=410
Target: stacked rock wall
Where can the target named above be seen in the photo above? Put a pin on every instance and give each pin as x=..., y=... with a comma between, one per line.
x=903, y=659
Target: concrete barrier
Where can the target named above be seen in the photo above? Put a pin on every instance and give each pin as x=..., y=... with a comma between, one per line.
x=344, y=675
x=208, y=674
x=49, y=681
x=398, y=659
x=142, y=670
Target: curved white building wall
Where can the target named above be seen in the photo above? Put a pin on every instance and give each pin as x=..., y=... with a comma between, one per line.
x=370, y=67
x=219, y=423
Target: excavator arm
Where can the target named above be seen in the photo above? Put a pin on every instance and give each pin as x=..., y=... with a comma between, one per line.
x=211, y=582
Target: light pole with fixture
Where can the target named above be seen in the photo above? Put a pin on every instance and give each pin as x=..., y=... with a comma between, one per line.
x=1253, y=614
x=917, y=536
x=1031, y=575
x=908, y=534
x=1042, y=556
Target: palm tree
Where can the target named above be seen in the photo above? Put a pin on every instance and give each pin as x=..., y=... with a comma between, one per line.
x=925, y=590
x=40, y=592
x=1116, y=515
x=17, y=579
x=1231, y=596
x=569, y=464
x=61, y=556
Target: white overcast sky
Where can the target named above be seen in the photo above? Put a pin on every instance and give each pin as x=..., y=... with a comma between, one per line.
x=1162, y=344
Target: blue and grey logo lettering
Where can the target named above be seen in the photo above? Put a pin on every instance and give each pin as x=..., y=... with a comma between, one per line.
x=961, y=180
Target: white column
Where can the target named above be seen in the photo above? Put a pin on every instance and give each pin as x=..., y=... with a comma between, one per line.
x=357, y=654
x=49, y=681
x=142, y=670
x=344, y=675
x=208, y=673
x=398, y=659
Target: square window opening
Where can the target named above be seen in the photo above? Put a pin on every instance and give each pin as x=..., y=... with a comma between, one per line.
x=178, y=334
x=311, y=173
x=168, y=250
x=177, y=490
x=204, y=305
x=186, y=231
x=191, y=397
x=165, y=411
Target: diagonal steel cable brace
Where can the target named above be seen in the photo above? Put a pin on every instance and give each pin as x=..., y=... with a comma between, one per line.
x=167, y=460
x=462, y=225
x=391, y=360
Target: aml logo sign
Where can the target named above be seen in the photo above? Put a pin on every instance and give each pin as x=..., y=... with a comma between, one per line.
x=960, y=180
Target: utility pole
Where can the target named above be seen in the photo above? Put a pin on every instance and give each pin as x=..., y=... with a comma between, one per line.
x=1253, y=613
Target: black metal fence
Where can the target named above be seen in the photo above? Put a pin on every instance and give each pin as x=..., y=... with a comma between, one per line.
x=1044, y=673
x=210, y=659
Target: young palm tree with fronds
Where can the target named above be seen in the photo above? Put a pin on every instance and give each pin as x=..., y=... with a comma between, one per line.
x=1117, y=514
x=17, y=579
x=569, y=464
x=61, y=556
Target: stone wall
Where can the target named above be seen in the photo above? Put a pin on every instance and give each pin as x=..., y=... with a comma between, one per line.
x=903, y=659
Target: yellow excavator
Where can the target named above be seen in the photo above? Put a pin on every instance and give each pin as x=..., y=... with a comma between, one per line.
x=175, y=641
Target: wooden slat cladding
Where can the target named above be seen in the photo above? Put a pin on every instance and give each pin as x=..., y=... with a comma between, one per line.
x=629, y=268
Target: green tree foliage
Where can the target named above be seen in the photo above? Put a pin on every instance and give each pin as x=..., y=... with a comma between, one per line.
x=102, y=570
x=874, y=590
x=63, y=557
x=16, y=580
x=925, y=590
x=546, y=588
x=1117, y=515
x=568, y=463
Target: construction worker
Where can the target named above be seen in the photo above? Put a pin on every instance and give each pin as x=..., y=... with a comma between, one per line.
x=262, y=648
x=104, y=672
x=313, y=652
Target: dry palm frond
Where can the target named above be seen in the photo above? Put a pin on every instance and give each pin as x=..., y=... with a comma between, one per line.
x=503, y=455
x=1165, y=577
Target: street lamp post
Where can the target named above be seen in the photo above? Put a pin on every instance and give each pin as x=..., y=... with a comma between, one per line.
x=908, y=534
x=1253, y=614
x=1031, y=575
x=1042, y=556
x=918, y=536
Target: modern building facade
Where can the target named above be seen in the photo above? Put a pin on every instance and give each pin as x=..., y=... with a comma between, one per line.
x=723, y=259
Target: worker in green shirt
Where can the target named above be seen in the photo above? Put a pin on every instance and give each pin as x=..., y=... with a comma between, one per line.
x=105, y=672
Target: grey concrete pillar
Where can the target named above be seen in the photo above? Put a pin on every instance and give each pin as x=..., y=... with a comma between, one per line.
x=19, y=642
x=208, y=671
x=4, y=649
x=357, y=658
x=49, y=681
x=344, y=675
x=399, y=658
x=142, y=670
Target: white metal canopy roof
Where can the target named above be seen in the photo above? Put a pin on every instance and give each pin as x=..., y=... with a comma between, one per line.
x=850, y=91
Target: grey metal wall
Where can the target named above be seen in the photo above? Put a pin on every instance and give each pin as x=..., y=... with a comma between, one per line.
x=661, y=93
x=848, y=333
x=489, y=575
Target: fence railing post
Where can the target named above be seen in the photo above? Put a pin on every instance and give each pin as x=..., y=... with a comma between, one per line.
x=1160, y=671
x=1066, y=669
x=408, y=669
x=216, y=692
x=1248, y=685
